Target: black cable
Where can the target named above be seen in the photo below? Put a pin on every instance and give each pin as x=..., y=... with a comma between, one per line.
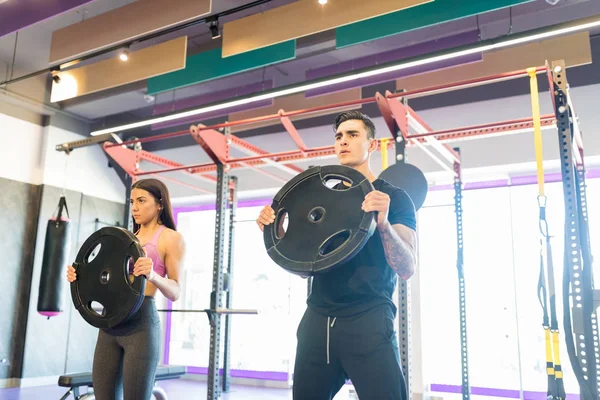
x=154, y=35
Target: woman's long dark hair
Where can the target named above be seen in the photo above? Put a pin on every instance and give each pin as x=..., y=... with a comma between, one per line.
x=161, y=194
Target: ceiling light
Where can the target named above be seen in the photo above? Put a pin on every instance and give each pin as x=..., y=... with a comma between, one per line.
x=479, y=47
x=56, y=79
x=124, y=54
x=323, y=2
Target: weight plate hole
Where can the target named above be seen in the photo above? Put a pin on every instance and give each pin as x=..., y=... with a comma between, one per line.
x=93, y=253
x=129, y=270
x=104, y=277
x=316, y=215
x=97, y=308
x=332, y=180
x=334, y=242
x=281, y=224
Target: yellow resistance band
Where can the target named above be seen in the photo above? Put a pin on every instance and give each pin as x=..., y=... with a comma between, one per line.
x=384, y=153
x=537, y=128
x=553, y=366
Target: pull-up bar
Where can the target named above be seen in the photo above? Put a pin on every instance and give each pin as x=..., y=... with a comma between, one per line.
x=393, y=110
x=408, y=94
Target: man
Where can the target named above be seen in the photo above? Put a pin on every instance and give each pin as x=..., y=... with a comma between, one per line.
x=348, y=330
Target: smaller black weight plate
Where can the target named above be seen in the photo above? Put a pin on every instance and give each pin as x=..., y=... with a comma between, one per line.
x=105, y=277
x=410, y=178
x=326, y=226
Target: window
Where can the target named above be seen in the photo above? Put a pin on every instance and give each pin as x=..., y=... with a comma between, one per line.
x=258, y=283
x=190, y=332
x=506, y=341
x=506, y=344
x=489, y=285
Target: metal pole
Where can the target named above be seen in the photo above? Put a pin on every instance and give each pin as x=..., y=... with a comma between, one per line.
x=404, y=287
x=228, y=283
x=216, y=298
x=466, y=389
x=578, y=283
x=127, y=220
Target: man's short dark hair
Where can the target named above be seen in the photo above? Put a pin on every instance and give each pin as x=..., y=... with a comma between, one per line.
x=356, y=115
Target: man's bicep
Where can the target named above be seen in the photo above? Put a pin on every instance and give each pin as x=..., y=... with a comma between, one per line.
x=402, y=210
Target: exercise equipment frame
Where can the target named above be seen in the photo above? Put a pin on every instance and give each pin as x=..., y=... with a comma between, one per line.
x=399, y=118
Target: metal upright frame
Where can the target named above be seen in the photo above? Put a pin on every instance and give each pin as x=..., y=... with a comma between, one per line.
x=229, y=282
x=462, y=296
x=127, y=220
x=395, y=115
x=580, y=299
x=581, y=329
x=216, y=296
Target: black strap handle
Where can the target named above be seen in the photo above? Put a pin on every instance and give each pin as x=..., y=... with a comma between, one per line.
x=62, y=203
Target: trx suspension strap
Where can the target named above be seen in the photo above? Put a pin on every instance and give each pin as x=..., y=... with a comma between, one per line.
x=549, y=322
x=384, y=153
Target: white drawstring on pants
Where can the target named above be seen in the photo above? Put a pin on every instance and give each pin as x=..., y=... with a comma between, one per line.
x=328, y=326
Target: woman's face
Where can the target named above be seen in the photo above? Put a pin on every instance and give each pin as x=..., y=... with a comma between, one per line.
x=144, y=207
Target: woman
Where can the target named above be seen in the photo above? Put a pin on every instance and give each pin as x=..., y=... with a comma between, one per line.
x=126, y=356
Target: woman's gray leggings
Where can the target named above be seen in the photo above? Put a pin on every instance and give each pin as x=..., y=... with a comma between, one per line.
x=126, y=357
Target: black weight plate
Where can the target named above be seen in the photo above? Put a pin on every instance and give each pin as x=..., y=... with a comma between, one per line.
x=105, y=277
x=326, y=226
x=407, y=177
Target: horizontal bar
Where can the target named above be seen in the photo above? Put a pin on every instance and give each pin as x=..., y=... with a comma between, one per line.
x=446, y=151
x=465, y=84
x=430, y=90
x=521, y=121
x=217, y=311
x=251, y=120
x=424, y=91
x=67, y=147
x=181, y=183
x=292, y=155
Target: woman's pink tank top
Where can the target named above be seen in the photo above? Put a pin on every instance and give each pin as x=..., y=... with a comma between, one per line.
x=152, y=252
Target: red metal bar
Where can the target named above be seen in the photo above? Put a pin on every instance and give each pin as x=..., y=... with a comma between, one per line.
x=550, y=84
x=248, y=121
x=483, y=129
x=417, y=118
x=410, y=93
x=291, y=129
x=293, y=155
x=129, y=160
x=187, y=185
x=147, y=156
x=126, y=158
x=254, y=149
x=213, y=143
x=466, y=83
x=386, y=113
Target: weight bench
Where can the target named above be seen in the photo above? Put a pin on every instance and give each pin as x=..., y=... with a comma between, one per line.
x=75, y=381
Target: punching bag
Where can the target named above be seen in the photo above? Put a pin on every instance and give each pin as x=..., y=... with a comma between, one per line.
x=53, y=280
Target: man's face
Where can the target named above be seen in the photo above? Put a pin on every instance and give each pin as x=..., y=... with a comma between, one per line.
x=352, y=143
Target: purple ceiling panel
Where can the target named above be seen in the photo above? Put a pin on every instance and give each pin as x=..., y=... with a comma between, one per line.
x=209, y=98
x=390, y=56
x=390, y=76
x=19, y=14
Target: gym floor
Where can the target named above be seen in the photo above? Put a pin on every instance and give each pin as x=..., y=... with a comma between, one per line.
x=177, y=389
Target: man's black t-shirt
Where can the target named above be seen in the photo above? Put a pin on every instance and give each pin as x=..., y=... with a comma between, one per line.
x=367, y=280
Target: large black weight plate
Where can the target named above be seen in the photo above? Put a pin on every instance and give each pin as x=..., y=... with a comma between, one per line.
x=407, y=177
x=105, y=277
x=326, y=226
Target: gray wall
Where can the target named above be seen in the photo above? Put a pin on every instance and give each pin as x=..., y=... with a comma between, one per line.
x=19, y=204
x=35, y=345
